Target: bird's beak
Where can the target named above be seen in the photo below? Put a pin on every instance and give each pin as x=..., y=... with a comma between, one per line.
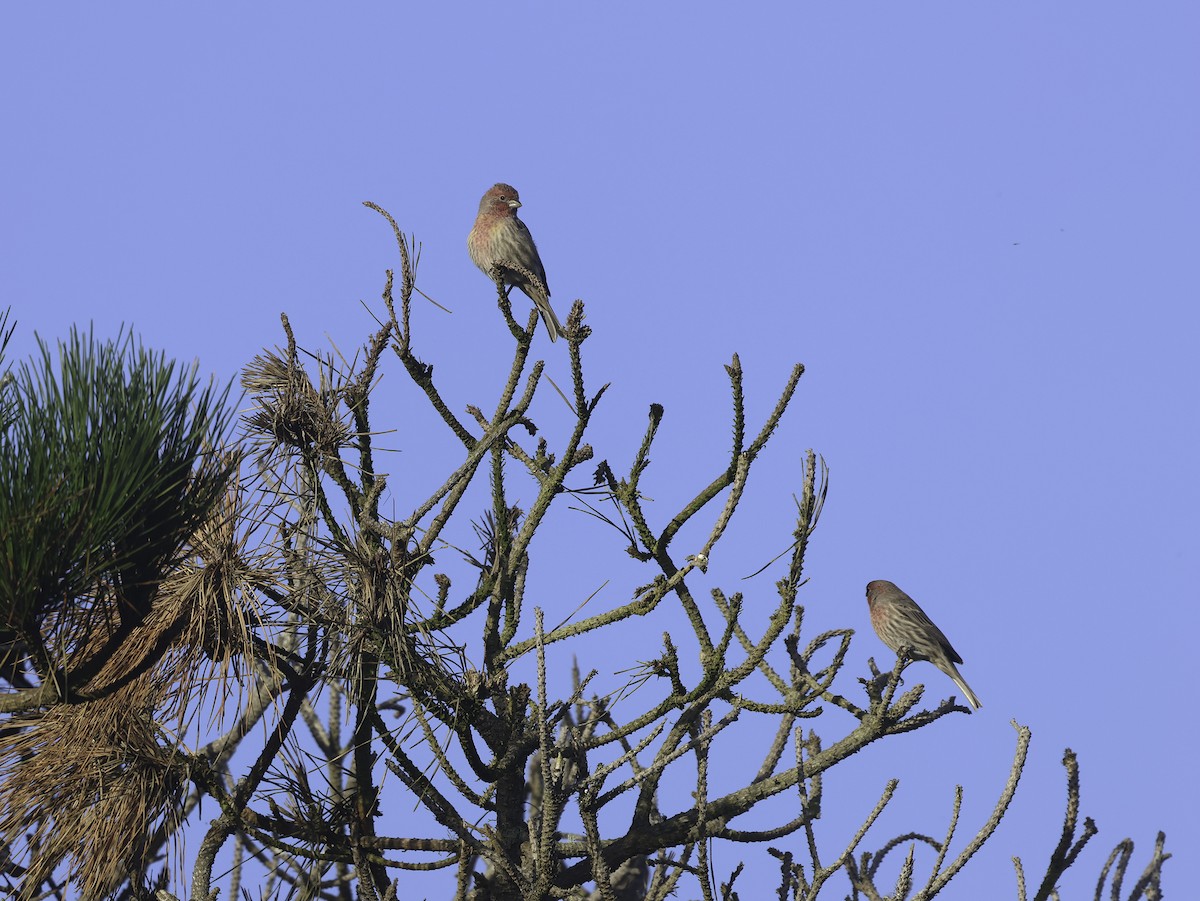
x=513, y=204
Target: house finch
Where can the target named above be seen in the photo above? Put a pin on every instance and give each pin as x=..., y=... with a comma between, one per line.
x=499, y=235
x=899, y=622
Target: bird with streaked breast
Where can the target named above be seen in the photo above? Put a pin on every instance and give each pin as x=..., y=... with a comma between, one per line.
x=499, y=234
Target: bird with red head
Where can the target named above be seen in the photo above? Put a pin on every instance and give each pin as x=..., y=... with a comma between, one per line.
x=498, y=235
x=900, y=622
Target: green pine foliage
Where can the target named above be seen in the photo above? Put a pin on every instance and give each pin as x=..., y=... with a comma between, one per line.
x=109, y=460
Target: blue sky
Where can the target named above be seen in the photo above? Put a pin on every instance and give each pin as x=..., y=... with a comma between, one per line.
x=975, y=225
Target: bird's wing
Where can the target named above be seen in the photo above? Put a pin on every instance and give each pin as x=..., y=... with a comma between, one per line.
x=529, y=256
x=938, y=634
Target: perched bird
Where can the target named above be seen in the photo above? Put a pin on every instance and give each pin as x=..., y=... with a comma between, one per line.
x=899, y=622
x=499, y=235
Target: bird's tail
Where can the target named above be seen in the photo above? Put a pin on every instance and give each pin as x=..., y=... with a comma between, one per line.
x=553, y=326
x=952, y=671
